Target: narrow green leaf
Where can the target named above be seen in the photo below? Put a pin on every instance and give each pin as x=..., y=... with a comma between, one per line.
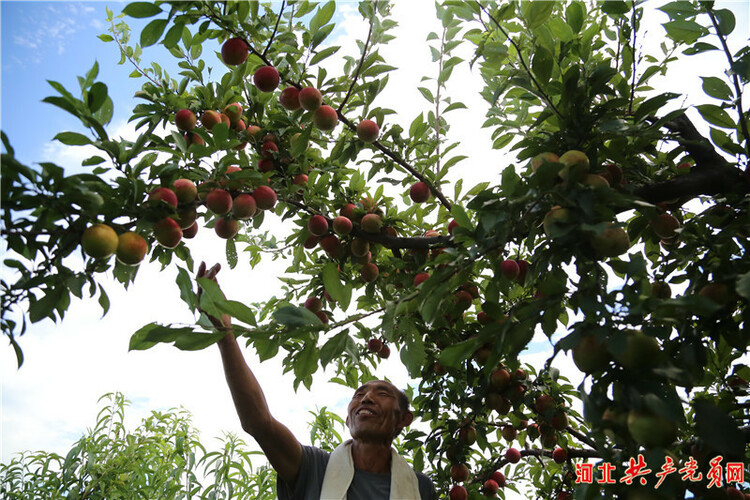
x=323, y=54
x=426, y=94
x=141, y=9
x=295, y=317
x=152, y=32
x=454, y=355
x=72, y=139
x=716, y=116
x=338, y=292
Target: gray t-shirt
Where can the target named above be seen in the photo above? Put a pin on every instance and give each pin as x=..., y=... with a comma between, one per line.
x=365, y=485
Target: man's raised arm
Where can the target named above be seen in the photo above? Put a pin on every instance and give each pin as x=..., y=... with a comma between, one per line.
x=281, y=448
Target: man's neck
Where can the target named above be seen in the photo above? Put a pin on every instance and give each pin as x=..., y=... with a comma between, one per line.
x=372, y=457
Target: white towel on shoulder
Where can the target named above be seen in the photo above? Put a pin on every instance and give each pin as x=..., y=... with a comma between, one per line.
x=340, y=472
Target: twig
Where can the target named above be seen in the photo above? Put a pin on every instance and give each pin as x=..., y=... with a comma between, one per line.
x=132, y=61
x=359, y=66
x=275, y=28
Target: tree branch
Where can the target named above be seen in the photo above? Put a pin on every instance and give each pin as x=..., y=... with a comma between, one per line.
x=359, y=66
x=275, y=28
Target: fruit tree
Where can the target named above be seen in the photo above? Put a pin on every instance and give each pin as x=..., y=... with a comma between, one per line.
x=617, y=227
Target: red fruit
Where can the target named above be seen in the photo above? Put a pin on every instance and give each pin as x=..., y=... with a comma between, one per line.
x=239, y=125
x=185, y=120
x=219, y=201
x=210, y=119
x=311, y=242
x=323, y=317
x=371, y=223
x=265, y=165
x=167, y=232
x=234, y=51
x=500, y=379
x=185, y=190
x=314, y=304
x=544, y=403
x=468, y=435
x=483, y=318
x=665, y=226
x=268, y=149
x=233, y=112
x=564, y=495
x=310, y=98
x=265, y=197
x=162, y=194
x=458, y=493
x=513, y=456
x=289, y=98
x=266, y=78
x=420, y=278
x=559, y=455
x=462, y=299
x=329, y=244
x=459, y=472
x=131, y=248
x=420, y=192
x=368, y=131
x=510, y=269
x=342, y=225
x=186, y=216
x=369, y=272
x=509, y=433
x=252, y=131
x=452, y=225
x=191, y=231
x=226, y=228
x=193, y=138
x=301, y=180
x=348, y=211
x=523, y=268
x=325, y=118
x=384, y=352
x=374, y=345
x=244, y=206
x=490, y=487
x=317, y=225
x=499, y=478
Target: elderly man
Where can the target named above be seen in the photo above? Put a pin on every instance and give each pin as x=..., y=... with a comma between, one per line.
x=364, y=468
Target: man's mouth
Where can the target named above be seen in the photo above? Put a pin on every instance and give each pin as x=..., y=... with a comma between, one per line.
x=365, y=411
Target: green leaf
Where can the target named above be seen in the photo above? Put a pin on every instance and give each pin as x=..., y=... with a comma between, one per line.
x=105, y=38
x=542, y=63
x=743, y=286
x=454, y=355
x=97, y=96
x=185, y=284
x=295, y=317
x=536, y=13
x=615, y=8
x=426, y=94
x=726, y=20
x=716, y=88
x=72, y=139
x=152, y=32
x=306, y=362
x=154, y=333
x=322, y=16
x=141, y=9
x=684, y=31
x=103, y=301
x=413, y=355
x=462, y=218
x=716, y=116
x=333, y=348
x=718, y=430
x=679, y=9
x=574, y=15
x=338, y=292
x=195, y=341
x=328, y=51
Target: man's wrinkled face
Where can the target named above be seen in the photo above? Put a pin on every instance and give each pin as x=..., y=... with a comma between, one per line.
x=374, y=412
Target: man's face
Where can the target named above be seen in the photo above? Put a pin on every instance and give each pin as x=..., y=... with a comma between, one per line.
x=374, y=413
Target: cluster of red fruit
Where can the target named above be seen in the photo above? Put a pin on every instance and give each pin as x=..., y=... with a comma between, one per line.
x=460, y=473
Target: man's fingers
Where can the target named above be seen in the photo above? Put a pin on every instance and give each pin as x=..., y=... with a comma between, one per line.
x=201, y=270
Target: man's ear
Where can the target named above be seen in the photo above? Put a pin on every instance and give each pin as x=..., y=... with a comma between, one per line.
x=407, y=419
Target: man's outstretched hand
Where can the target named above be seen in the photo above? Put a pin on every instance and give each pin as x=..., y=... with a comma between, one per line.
x=226, y=321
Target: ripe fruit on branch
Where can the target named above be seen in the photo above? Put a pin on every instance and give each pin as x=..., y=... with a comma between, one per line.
x=500, y=379
x=458, y=492
x=368, y=131
x=467, y=435
x=611, y=242
x=244, y=206
x=420, y=278
x=665, y=226
x=509, y=433
x=719, y=293
x=185, y=190
x=289, y=98
x=420, y=192
x=559, y=420
x=374, y=345
x=317, y=225
x=499, y=478
x=490, y=487
x=642, y=352
x=369, y=272
x=371, y=223
x=539, y=159
x=131, y=248
x=226, y=228
x=268, y=149
x=359, y=247
x=330, y=244
x=384, y=352
x=265, y=164
x=299, y=179
x=233, y=112
x=459, y=472
x=322, y=316
x=219, y=201
x=191, y=231
x=342, y=225
x=510, y=269
x=325, y=118
x=186, y=216
x=185, y=120
x=266, y=78
x=462, y=299
x=576, y=165
x=555, y=219
x=234, y=51
x=310, y=98
x=559, y=455
x=544, y=403
x=590, y=355
x=451, y=226
x=595, y=180
x=265, y=197
x=513, y=456
x=313, y=304
x=162, y=194
x=210, y=119
x=661, y=290
x=193, y=138
x=523, y=268
x=99, y=241
x=651, y=430
x=168, y=232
